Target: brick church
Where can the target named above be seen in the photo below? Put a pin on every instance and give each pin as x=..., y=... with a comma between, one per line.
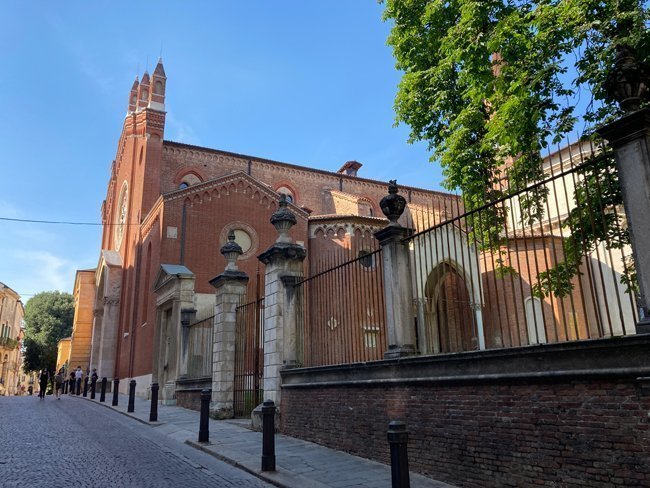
x=170, y=206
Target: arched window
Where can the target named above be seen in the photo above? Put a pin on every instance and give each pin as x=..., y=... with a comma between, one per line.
x=190, y=179
x=158, y=87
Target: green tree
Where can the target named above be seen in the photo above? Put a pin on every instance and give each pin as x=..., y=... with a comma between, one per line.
x=48, y=319
x=488, y=81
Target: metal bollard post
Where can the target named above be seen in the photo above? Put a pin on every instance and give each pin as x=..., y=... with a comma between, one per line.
x=116, y=389
x=85, y=386
x=398, y=438
x=153, y=413
x=131, y=407
x=268, y=435
x=204, y=425
x=102, y=394
x=93, y=387
x=65, y=386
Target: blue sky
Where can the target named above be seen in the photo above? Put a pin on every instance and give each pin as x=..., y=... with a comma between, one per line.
x=306, y=82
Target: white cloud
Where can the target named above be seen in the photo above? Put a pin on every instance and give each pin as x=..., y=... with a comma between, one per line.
x=49, y=271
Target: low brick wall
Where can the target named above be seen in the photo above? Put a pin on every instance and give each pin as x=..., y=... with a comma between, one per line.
x=577, y=415
x=188, y=392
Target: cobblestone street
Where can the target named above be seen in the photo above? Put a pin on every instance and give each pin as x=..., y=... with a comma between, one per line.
x=75, y=443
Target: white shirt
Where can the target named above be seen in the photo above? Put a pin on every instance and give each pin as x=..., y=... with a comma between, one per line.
x=78, y=374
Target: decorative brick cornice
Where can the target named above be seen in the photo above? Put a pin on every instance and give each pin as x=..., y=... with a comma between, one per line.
x=224, y=186
x=290, y=169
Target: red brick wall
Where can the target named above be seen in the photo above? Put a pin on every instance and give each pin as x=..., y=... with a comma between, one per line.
x=310, y=186
x=575, y=433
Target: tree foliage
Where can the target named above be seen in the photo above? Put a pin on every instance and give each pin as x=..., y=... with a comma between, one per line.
x=493, y=81
x=48, y=319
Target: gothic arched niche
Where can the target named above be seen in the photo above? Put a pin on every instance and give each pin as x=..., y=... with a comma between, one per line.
x=450, y=319
x=190, y=179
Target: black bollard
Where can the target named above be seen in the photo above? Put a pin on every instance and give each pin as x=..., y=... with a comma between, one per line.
x=204, y=424
x=153, y=413
x=131, y=407
x=102, y=393
x=398, y=438
x=268, y=435
x=93, y=387
x=85, y=386
x=116, y=390
x=65, y=386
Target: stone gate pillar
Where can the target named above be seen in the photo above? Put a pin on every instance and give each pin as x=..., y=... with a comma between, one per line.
x=284, y=266
x=630, y=138
x=398, y=294
x=174, y=291
x=231, y=287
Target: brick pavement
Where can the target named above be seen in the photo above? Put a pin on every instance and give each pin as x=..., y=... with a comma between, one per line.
x=300, y=464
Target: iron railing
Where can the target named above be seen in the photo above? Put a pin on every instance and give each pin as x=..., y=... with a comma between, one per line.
x=249, y=356
x=199, y=346
x=511, y=274
x=341, y=317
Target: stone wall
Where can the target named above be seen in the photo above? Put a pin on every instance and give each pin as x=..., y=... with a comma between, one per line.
x=188, y=392
x=555, y=415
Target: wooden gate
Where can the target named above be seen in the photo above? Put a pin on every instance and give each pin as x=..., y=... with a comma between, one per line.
x=249, y=357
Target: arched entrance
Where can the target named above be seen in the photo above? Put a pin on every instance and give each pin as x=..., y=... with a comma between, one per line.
x=450, y=319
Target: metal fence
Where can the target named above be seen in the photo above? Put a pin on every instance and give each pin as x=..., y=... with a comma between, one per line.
x=249, y=356
x=341, y=317
x=548, y=263
x=199, y=346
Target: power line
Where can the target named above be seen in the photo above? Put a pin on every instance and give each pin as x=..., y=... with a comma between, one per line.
x=59, y=222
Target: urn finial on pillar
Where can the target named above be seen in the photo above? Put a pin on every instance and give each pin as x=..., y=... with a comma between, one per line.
x=283, y=219
x=231, y=251
x=393, y=204
x=628, y=82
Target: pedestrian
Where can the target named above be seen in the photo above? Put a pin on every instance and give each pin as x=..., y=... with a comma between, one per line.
x=71, y=381
x=43, y=377
x=58, y=384
x=93, y=383
x=78, y=375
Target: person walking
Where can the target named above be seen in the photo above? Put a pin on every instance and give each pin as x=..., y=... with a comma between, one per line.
x=58, y=383
x=78, y=375
x=93, y=383
x=43, y=378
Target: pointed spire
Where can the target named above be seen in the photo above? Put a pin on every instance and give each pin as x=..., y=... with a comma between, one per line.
x=160, y=70
x=145, y=78
x=133, y=95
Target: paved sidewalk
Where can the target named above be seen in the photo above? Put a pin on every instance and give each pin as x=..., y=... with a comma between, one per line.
x=299, y=464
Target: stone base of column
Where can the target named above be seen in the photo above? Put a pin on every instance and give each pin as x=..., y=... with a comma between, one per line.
x=221, y=412
x=399, y=351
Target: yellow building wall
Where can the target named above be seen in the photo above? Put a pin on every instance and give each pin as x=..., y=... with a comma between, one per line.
x=84, y=293
x=63, y=352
